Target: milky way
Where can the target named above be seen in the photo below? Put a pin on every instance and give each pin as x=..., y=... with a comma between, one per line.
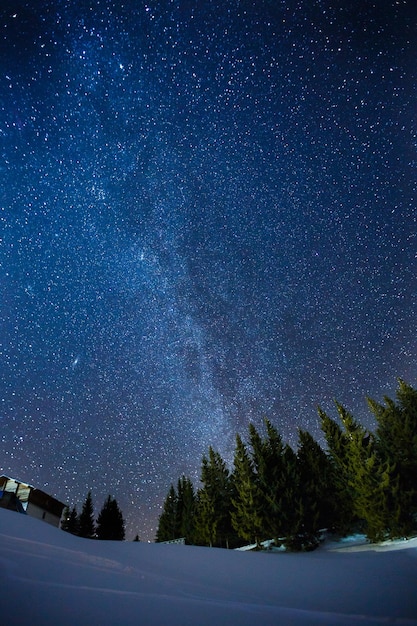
x=207, y=218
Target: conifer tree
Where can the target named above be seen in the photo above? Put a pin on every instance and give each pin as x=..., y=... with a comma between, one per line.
x=368, y=480
x=246, y=512
x=110, y=522
x=168, y=520
x=213, y=523
x=73, y=523
x=69, y=521
x=290, y=501
x=185, y=512
x=277, y=480
x=270, y=460
x=372, y=480
x=65, y=518
x=373, y=483
x=315, y=490
x=264, y=483
x=86, y=519
x=206, y=519
x=396, y=446
x=338, y=453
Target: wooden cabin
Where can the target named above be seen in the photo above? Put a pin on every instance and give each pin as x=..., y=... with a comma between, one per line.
x=23, y=498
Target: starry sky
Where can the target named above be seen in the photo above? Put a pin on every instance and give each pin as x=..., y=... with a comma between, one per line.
x=207, y=217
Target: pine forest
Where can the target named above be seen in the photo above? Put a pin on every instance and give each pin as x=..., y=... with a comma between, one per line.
x=362, y=481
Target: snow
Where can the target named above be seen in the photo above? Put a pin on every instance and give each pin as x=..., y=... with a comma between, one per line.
x=50, y=577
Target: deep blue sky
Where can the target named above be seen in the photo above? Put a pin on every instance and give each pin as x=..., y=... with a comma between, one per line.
x=208, y=217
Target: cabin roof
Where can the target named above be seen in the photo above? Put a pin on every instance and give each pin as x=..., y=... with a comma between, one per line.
x=32, y=494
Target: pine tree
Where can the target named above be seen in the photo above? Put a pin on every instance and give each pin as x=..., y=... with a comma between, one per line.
x=396, y=446
x=213, y=523
x=185, y=509
x=270, y=461
x=168, y=520
x=246, y=512
x=136, y=539
x=315, y=490
x=371, y=480
x=206, y=519
x=65, y=518
x=73, y=523
x=290, y=500
x=338, y=454
x=368, y=481
x=110, y=523
x=262, y=469
x=86, y=519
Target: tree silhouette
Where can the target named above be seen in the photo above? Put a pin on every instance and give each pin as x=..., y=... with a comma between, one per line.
x=110, y=523
x=86, y=519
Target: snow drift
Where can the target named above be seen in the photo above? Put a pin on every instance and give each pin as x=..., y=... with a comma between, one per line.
x=50, y=577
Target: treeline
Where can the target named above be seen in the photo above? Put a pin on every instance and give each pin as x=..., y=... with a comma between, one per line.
x=109, y=524
x=364, y=482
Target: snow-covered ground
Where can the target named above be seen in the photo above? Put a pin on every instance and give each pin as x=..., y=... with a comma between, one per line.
x=50, y=577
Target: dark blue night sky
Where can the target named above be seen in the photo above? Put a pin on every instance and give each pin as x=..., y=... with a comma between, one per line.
x=207, y=217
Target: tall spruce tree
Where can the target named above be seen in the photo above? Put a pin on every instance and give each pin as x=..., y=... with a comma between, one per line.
x=368, y=481
x=246, y=512
x=86, y=519
x=65, y=518
x=213, y=522
x=185, y=512
x=205, y=520
x=276, y=479
x=338, y=453
x=396, y=446
x=168, y=520
x=72, y=522
x=264, y=467
x=110, y=522
x=291, y=504
x=315, y=490
x=373, y=484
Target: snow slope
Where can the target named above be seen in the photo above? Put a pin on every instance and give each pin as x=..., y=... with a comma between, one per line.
x=50, y=577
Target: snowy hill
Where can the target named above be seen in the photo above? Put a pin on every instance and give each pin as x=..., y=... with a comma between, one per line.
x=50, y=577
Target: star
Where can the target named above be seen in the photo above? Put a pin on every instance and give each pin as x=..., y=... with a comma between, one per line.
x=207, y=218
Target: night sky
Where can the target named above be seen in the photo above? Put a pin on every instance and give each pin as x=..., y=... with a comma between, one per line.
x=207, y=217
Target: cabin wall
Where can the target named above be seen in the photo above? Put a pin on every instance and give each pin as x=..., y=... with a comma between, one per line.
x=34, y=502
x=36, y=511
